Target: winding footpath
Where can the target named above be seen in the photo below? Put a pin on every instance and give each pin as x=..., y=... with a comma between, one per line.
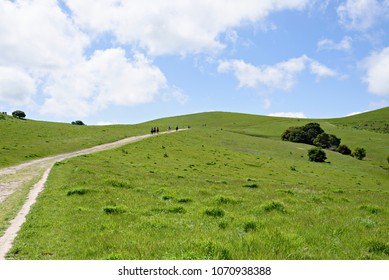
x=30, y=170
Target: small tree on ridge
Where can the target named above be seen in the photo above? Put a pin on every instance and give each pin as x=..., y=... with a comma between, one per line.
x=18, y=114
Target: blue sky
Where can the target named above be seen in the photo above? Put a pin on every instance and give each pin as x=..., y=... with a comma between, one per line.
x=112, y=61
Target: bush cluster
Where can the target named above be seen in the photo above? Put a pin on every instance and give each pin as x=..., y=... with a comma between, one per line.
x=313, y=134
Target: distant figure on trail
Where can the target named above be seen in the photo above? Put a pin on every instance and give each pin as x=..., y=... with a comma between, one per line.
x=188, y=126
x=177, y=128
x=169, y=128
x=157, y=129
x=152, y=131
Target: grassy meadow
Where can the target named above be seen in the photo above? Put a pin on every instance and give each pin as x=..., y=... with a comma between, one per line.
x=228, y=188
x=23, y=140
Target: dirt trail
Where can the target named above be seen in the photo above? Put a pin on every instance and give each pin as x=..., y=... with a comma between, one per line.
x=11, y=178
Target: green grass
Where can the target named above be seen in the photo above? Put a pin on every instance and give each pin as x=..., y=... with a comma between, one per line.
x=24, y=140
x=200, y=202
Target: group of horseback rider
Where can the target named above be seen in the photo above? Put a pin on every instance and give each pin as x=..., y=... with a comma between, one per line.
x=155, y=130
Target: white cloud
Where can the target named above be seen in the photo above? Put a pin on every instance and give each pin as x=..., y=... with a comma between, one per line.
x=43, y=48
x=300, y=115
x=38, y=36
x=106, y=78
x=377, y=76
x=362, y=14
x=321, y=70
x=36, y=39
x=353, y=114
x=281, y=76
x=103, y=123
x=16, y=87
x=173, y=27
x=177, y=94
x=343, y=45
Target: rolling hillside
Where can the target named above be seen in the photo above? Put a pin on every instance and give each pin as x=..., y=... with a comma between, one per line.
x=228, y=188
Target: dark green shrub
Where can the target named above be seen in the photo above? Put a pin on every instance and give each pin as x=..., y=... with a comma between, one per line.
x=249, y=226
x=177, y=210
x=317, y=155
x=359, y=153
x=378, y=247
x=78, y=122
x=214, y=212
x=294, y=134
x=184, y=200
x=77, y=191
x=321, y=140
x=115, y=209
x=223, y=225
x=312, y=130
x=18, y=114
x=251, y=186
x=326, y=141
x=344, y=150
x=303, y=134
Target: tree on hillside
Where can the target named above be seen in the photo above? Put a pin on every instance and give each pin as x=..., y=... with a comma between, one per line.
x=302, y=134
x=326, y=141
x=344, y=150
x=359, y=153
x=312, y=130
x=78, y=122
x=317, y=155
x=18, y=114
x=294, y=134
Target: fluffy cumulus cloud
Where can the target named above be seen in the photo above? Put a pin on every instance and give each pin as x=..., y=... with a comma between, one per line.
x=38, y=36
x=377, y=72
x=344, y=45
x=171, y=27
x=321, y=70
x=47, y=47
x=300, y=115
x=16, y=87
x=281, y=76
x=108, y=77
x=36, y=39
x=362, y=14
x=42, y=48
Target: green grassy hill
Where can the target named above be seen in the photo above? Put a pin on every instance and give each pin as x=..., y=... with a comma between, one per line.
x=228, y=188
x=23, y=140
